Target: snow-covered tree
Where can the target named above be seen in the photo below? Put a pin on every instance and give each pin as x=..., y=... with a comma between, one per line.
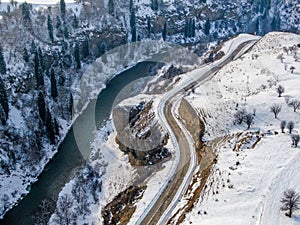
x=3, y=103
x=239, y=116
x=53, y=84
x=49, y=126
x=26, y=14
x=50, y=28
x=164, y=32
x=111, y=7
x=75, y=22
x=276, y=109
x=2, y=62
x=149, y=26
x=86, y=48
x=290, y=125
x=63, y=8
x=25, y=55
x=77, y=56
x=282, y=125
x=290, y=202
x=207, y=27
x=295, y=140
x=292, y=68
x=42, y=106
x=38, y=69
x=64, y=212
x=133, y=25
x=154, y=5
x=295, y=104
x=249, y=119
x=280, y=90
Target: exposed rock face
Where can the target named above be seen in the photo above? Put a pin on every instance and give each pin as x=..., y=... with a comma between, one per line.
x=138, y=131
x=192, y=122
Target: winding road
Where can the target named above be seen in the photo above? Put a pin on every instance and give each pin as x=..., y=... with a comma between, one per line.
x=160, y=208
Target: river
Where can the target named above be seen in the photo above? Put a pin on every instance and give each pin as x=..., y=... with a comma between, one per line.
x=61, y=169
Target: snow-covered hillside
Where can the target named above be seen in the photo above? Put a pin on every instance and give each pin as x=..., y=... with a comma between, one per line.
x=38, y=39
x=254, y=167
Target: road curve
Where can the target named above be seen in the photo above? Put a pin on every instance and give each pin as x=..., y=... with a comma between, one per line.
x=161, y=207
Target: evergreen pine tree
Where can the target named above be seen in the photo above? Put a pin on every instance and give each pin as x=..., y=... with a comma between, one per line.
x=193, y=28
x=75, y=22
x=275, y=24
x=2, y=116
x=133, y=34
x=3, y=102
x=133, y=25
x=32, y=47
x=101, y=49
x=164, y=32
x=154, y=4
x=38, y=70
x=2, y=62
x=66, y=32
x=149, y=26
x=49, y=127
x=58, y=22
x=36, y=66
x=56, y=127
x=77, y=56
x=26, y=14
x=63, y=8
x=42, y=106
x=186, y=29
x=53, y=84
x=25, y=55
x=71, y=104
x=111, y=7
x=86, y=48
x=41, y=58
x=131, y=6
x=207, y=27
x=257, y=27
x=50, y=28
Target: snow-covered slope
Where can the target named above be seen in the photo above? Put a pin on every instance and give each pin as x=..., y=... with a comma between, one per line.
x=254, y=166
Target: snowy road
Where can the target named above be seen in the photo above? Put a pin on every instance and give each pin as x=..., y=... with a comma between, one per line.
x=162, y=205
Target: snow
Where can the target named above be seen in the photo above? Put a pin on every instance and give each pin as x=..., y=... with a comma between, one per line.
x=258, y=182
x=46, y=2
x=249, y=192
x=16, y=117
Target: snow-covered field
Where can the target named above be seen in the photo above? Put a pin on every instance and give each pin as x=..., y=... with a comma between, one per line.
x=246, y=185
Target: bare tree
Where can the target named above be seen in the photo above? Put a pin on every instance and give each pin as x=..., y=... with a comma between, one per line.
x=295, y=140
x=280, y=90
x=282, y=125
x=295, y=104
x=290, y=126
x=275, y=108
x=239, y=116
x=290, y=202
x=249, y=119
x=292, y=68
x=64, y=210
x=41, y=217
x=280, y=57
